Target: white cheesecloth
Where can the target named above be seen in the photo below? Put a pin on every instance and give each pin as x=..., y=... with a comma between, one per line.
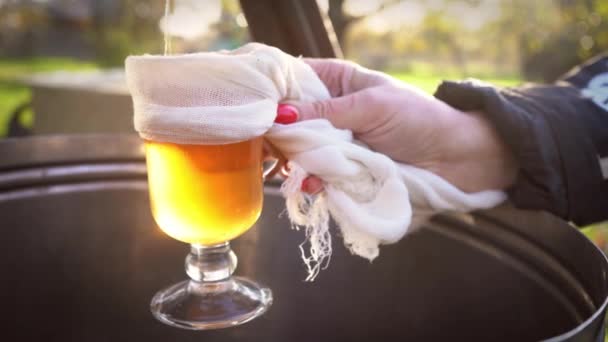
x=230, y=96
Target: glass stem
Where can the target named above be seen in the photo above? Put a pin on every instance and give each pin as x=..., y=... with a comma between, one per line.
x=210, y=263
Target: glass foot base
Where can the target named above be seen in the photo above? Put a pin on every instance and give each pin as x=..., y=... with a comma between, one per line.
x=211, y=305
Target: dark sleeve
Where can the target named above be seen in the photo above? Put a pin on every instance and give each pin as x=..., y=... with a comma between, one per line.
x=559, y=135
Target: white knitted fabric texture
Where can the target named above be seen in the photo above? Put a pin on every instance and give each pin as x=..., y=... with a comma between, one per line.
x=230, y=96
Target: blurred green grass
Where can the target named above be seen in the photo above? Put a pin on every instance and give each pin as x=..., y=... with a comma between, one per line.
x=598, y=233
x=13, y=93
x=428, y=76
x=429, y=82
x=10, y=69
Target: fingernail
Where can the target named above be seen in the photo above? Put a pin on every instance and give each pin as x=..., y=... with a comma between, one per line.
x=286, y=114
x=311, y=185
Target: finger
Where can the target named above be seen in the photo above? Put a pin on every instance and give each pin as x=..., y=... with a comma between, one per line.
x=286, y=114
x=312, y=185
x=346, y=112
x=344, y=77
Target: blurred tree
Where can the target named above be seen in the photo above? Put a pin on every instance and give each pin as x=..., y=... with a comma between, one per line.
x=584, y=32
x=130, y=27
x=541, y=39
x=230, y=31
x=19, y=22
x=553, y=36
x=445, y=33
x=341, y=20
x=133, y=28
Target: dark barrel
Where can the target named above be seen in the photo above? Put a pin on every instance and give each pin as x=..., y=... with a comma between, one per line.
x=81, y=258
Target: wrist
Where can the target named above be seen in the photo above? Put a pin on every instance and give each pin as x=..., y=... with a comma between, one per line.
x=475, y=158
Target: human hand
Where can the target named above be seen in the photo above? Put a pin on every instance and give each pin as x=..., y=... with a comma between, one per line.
x=409, y=126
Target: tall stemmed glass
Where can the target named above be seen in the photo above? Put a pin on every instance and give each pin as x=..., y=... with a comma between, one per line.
x=207, y=195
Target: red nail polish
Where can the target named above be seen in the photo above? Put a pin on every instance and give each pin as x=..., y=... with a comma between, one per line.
x=305, y=184
x=311, y=185
x=286, y=114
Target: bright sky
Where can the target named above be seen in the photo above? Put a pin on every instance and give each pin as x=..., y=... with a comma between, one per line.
x=191, y=18
x=411, y=12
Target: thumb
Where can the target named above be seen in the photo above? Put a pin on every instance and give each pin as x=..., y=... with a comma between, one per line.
x=345, y=112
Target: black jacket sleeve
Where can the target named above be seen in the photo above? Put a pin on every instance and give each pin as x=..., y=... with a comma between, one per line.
x=558, y=133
